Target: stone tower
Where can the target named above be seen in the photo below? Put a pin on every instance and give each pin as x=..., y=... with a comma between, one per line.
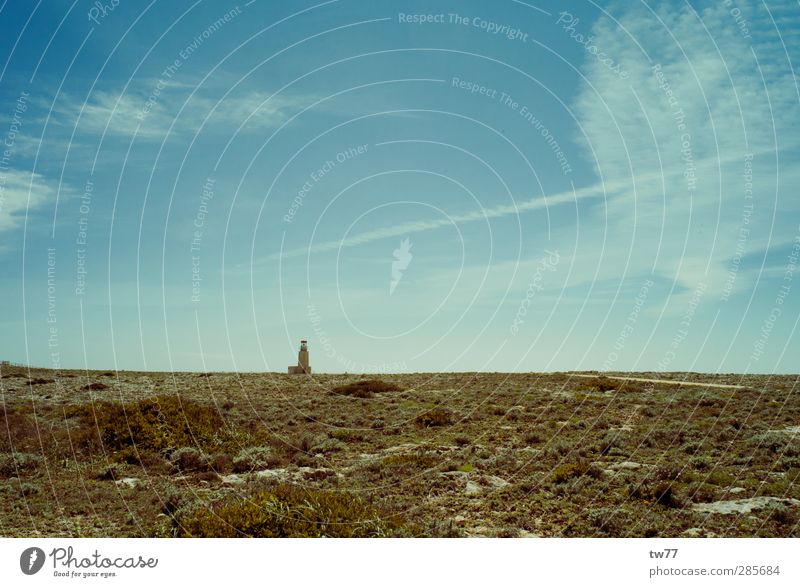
x=302, y=368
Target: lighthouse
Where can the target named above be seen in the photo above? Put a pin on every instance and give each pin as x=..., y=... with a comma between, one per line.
x=302, y=368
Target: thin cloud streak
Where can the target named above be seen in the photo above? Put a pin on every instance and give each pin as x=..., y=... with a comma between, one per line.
x=21, y=191
x=608, y=188
x=414, y=227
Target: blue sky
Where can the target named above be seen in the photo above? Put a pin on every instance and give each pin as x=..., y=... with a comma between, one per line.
x=199, y=185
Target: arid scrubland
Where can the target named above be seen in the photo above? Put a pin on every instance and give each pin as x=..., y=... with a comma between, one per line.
x=461, y=454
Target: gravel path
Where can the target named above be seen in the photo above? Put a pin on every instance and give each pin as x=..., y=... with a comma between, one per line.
x=672, y=381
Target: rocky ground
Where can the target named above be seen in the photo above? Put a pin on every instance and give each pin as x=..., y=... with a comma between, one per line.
x=464, y=454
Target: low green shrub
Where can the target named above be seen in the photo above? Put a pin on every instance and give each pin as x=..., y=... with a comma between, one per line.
x=778, y=442
x=326, y=445
x=290, y=512
x=608, y=521
x=188, y=459
x=611, y=439
x=700, y=492
x=171, y=501
x=253, y=458
x=27, y=489
x=414, y=459
x=568, y=471
x=159, y=424
x=346, y=435
x=783, y=487
x=442, y=529
x=12, y=464
x=557, y=447
x=720, y=478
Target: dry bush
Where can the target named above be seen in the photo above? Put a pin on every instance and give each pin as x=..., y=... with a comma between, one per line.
x=462, y=440
x=111, y=472
x=18, y=431
x=222, y=463
x=366, y=388
x=601, y=384
x=659, y=487
x=297, y=450
x=435, y=417
x=783, y=515
x=664, y=494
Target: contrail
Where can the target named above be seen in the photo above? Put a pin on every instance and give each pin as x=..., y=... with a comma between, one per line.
x=592, y=191
x=419, y=226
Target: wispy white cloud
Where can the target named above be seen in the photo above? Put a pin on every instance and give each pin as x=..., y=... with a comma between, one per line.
x=173, y=109
x=21, y=191
x=728, y=101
